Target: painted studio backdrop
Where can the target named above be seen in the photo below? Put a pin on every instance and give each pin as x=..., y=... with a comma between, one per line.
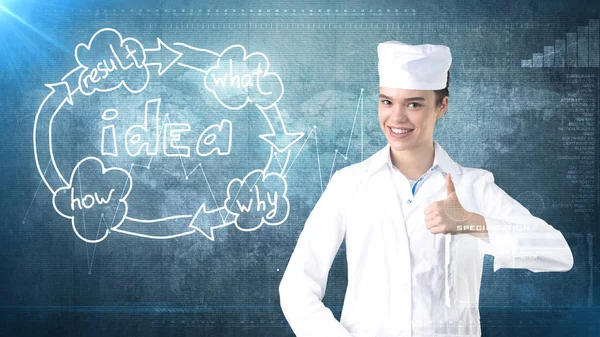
x=159, y=159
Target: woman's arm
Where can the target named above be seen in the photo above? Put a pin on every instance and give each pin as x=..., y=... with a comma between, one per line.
x=303, y=284
x=517, y=238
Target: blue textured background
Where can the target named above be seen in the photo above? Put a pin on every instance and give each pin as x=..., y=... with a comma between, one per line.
x=512, y=120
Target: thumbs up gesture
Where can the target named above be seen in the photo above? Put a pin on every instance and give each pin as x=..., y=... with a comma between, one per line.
x=446, y=215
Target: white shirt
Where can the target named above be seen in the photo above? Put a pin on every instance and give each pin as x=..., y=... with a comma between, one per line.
x=403, y=280
x=425, y=275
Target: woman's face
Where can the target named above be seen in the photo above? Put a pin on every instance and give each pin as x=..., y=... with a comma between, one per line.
x=401, y=110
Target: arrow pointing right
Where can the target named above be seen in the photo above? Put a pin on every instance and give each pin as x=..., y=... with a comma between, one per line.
x=163, y=59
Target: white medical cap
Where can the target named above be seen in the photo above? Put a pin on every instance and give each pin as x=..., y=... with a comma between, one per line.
x=405, y=66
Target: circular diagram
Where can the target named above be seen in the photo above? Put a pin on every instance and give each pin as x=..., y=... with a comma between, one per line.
x=119, y=158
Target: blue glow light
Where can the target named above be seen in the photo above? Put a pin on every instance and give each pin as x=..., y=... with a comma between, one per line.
x=37, y=31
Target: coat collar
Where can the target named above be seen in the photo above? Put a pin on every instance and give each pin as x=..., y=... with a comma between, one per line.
x=441, y=158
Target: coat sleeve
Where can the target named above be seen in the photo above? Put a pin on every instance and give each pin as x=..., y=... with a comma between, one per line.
x=517, y=238
x=304, y=281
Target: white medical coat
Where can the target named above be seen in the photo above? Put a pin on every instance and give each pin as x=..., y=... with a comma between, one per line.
x=402, y=279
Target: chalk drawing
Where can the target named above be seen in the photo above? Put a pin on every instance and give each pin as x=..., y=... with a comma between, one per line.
x=95, y=196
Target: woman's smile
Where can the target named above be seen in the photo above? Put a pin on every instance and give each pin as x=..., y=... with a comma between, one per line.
x=399, y=132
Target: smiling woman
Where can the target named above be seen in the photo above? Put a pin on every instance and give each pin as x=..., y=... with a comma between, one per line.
x=407, y=118
x=403, y=214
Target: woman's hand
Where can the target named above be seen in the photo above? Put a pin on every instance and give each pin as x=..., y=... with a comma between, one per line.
x=447, y=216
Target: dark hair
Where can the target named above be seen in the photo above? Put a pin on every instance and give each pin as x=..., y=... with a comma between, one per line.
x=439, y=94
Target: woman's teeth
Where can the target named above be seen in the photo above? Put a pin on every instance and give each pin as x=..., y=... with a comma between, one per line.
x=400, y=131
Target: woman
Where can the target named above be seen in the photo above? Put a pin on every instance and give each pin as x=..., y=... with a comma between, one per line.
x=416, y=223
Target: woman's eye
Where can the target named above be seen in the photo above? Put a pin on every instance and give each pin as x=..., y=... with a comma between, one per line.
x=415, y=105
x=385, y=102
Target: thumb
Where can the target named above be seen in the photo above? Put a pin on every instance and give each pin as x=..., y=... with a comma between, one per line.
x=449, y=186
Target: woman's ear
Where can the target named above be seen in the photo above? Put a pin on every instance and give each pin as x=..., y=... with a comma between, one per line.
x=443, y=107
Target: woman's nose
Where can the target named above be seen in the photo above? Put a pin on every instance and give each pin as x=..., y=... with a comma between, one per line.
x=398, y=114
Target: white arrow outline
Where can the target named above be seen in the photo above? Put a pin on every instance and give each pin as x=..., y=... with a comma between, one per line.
x=160, y=44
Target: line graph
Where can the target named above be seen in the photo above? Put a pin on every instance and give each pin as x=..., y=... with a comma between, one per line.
x=359, y=111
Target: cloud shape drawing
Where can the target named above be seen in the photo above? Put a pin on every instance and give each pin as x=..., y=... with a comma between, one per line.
x=258, y=199
x=94, y=200
x=110, y=61
x=238, y=79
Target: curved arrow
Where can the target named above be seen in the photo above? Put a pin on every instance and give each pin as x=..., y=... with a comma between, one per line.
x=60, y=93
x=54, y=101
